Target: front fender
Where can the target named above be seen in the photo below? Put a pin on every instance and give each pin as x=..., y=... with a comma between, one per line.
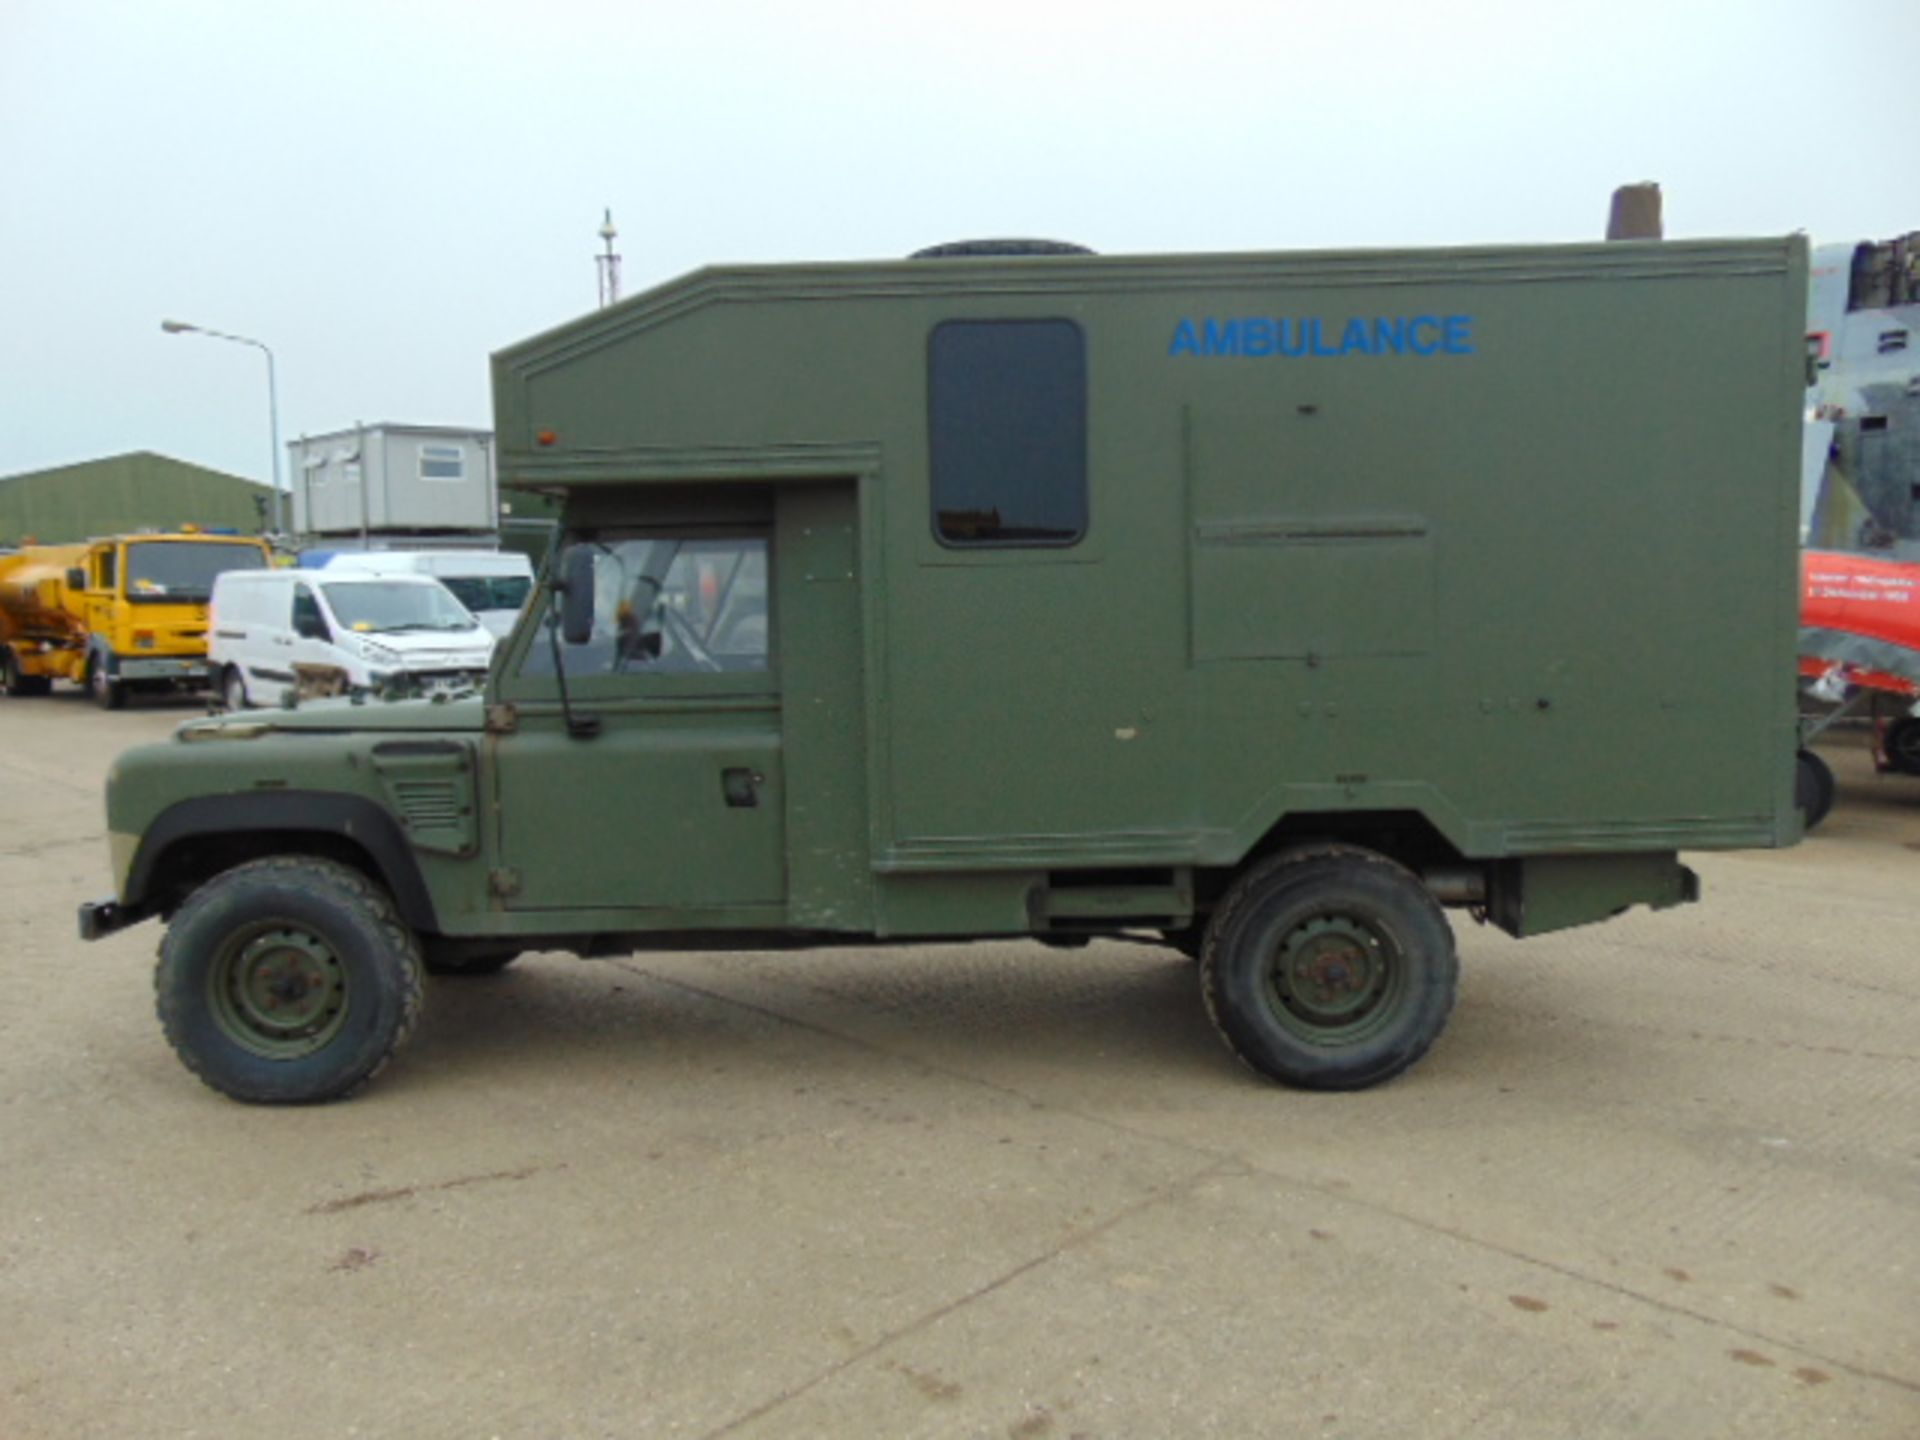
x=353, y=818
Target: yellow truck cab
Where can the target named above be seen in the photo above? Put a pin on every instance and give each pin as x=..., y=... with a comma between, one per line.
x=114, y=614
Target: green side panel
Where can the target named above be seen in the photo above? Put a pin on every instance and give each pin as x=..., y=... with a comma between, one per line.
x=1539, y=588
x=141, y=491
x=817, y=603
x=997, y=903
x=637, y=817
x=1556, y=892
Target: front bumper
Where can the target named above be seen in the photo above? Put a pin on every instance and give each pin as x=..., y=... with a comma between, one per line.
x=100, y=918
x=162, y=667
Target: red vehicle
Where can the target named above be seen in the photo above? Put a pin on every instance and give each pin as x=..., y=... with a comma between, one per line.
x=1860, y=647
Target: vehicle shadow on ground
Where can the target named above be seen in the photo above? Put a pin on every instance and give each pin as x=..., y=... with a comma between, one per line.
x=1114, y=1017
x=835, y=1011
x=75, y=695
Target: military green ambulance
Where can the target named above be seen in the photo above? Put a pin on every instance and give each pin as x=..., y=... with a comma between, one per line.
x=1259, y=606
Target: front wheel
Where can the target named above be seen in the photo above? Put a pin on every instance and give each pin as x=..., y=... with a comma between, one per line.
x=108, y=693
x=1813, y=788
x=1330, y=970
x=287, y=981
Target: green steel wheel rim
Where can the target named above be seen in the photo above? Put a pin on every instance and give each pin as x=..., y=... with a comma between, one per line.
x=1335, y=979
x=278, y=990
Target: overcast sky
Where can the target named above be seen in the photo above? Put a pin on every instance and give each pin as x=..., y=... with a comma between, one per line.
x=387, y=192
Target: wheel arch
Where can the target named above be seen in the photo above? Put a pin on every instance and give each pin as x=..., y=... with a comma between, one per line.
x=1408, y=837
x=193, y=840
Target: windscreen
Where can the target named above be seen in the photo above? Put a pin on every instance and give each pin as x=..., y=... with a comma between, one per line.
x=391, y=605
x=175, y=570
x=488, y=592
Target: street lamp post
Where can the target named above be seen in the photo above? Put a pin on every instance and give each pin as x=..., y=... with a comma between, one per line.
x=181, y=327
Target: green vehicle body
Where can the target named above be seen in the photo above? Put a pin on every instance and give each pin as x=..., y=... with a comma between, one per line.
x=1498, y=585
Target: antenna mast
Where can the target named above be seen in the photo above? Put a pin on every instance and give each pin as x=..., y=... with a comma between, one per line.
x=608, y=264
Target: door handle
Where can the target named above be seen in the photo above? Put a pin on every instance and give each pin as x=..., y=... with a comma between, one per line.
x=741, y=787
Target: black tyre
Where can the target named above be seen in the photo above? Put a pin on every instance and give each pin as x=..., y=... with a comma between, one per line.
x=19, y=684
x=453, y=957
x=1813, y=788
x=233, y=690
x=108, y=693
x=1329, y=970
x=1902, y=744
x=288, y=981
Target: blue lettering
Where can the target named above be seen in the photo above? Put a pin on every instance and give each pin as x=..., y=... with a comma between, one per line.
x=1222, y=338
x=1259, y=336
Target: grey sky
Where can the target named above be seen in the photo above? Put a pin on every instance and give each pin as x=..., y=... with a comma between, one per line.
x=385, y=193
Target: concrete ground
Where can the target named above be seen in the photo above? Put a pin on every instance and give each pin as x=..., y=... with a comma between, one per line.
x=1660, y=1178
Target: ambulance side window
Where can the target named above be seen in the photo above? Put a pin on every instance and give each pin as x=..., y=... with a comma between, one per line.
x=1007, y=432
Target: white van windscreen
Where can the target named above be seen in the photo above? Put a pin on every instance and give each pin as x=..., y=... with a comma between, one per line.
x=385, y=605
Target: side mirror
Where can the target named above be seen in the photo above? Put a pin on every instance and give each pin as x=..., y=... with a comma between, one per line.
x=76, y=578
x=576, y=595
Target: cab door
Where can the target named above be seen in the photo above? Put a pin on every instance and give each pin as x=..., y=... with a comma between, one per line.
x=659, y=784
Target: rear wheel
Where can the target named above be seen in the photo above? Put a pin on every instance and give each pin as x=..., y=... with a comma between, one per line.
x=1813, y=788
x=1902, y=744
x=233, y=689
x=287, y=981
x=17, y=682
x=1329, y=970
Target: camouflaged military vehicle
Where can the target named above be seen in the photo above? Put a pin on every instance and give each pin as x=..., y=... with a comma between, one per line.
x=1258, y=606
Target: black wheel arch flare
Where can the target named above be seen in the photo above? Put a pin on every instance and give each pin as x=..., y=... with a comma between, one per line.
x=360, y=822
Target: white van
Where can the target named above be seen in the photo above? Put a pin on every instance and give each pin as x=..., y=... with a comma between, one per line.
x=367, y=628
x=493, y=584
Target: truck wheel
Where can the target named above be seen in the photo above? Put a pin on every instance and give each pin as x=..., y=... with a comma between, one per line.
x=1329, y=970
x=20, y=685
x=1902, y=743
x=1813, y=788
x=233, y=690
x=288, y=981
x=108, y=693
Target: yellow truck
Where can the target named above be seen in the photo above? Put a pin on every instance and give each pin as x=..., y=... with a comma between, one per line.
x=115, y=614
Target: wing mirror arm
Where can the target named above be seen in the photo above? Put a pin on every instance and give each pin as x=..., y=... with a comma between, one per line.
x=572, y=606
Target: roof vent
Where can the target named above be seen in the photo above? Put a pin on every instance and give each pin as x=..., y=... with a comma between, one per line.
x=976, y=249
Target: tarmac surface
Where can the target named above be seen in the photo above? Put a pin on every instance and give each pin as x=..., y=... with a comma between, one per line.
x=1661, y=1177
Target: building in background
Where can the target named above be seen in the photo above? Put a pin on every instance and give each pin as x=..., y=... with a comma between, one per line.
x=387, y=486
x=126, y=493
x=410, y=487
